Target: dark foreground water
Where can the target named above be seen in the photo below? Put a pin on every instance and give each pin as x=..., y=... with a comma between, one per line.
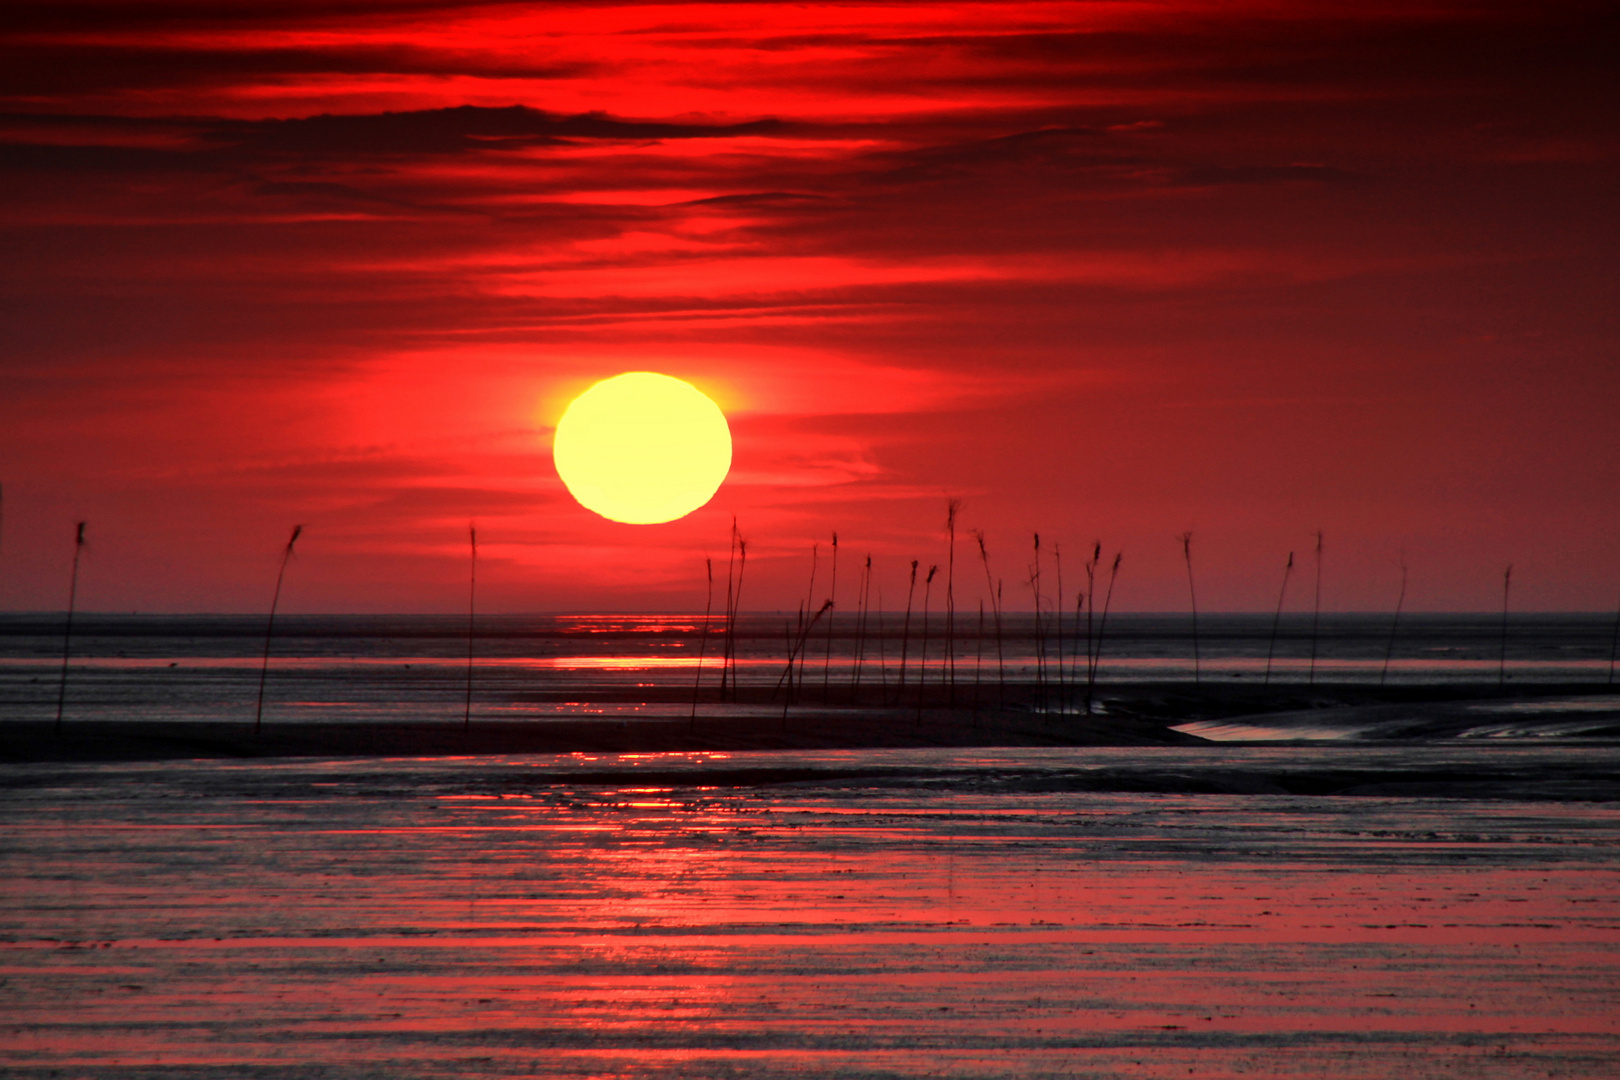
x=882, y=914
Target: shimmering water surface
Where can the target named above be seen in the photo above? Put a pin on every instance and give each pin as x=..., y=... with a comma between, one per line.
x=956, y=913
x=1100, y=912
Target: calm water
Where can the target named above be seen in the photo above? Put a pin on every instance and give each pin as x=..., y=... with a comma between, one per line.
x=1062, y=913
x=957, y=914
x=402, y=668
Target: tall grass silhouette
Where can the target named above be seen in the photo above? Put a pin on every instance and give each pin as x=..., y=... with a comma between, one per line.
x=1057, y=615
x=1394, y=623
x=67, y=631
x=832, y=595
x=270, y=624
x=1316, y=610
x=472, y=608
x=905, y=636
x=809, y=600
x=1102, y=629
x=1186, y=552
x=1040, y=641
x=703, y=637
x=1091, y=609
x=725, y=641
x=995, y=610
x=736, y=607
x=922, y=656
x=863, y=603
x=952, y=506
x=978, y=658
x=793, y=654
x=1276, y=620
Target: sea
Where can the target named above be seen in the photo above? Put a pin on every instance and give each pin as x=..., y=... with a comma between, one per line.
x=324, y=668
x=1277, y=907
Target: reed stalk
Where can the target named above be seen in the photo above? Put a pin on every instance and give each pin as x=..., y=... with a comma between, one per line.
x=799, y=647
x=725, y=644
x=1276, y=620
x=1316, y=609
x=978, y=659
x=270, y=624
x=1102, y=629
x=792, y=679
x=883, y=661
x=1000, y=603
x=1091, y=610
x=832, y=594
x=1400, y=600
x=922, y=656
x=1186, y=551
x=1040, y=640
x=951, y=507
x=905, y=636
x=863, y=594
x=1507, y=582
x=1074, y=662
x=472, y=598
x=1057, y=615
x=809, y=598
x=736, y=609
x=67, y=632
x=995, y=610
x=703, y=638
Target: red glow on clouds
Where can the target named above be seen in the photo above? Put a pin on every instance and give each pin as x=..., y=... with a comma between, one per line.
x=1103, y=270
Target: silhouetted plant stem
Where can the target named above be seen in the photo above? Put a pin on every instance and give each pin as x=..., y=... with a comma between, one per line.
x=1040, y=640
x=703, y=637
x=1394, y=623
x=472, y=608
x=1507, y=582
x=1186, y=551
x=1091, y=609
x=883, y=662
x=1057, y=615
x=978, y=658
x=995, y=609
x=951, y=508
x=1102, y=629
x=922, y=656
x=1276, y=620
x=1316, y=609
x=725, y=644
x=787, y=674
x=67, y=631
x=809, y=599
x=736, y=610
x=1000, y=606
x=905, y=636
x=1080, y=609
x=832, y=594
x=863, y=592
x=792, y=679
x=270, y=624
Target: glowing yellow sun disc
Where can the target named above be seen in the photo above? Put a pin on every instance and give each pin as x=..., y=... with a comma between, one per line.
x=642, y=448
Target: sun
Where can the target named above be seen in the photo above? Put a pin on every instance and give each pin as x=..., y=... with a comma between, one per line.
x=642, y=448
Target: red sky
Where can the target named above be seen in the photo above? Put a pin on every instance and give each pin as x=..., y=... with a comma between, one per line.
x=1103, y=270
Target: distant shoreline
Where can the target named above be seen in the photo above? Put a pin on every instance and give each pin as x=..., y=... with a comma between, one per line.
x=1142, y=714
